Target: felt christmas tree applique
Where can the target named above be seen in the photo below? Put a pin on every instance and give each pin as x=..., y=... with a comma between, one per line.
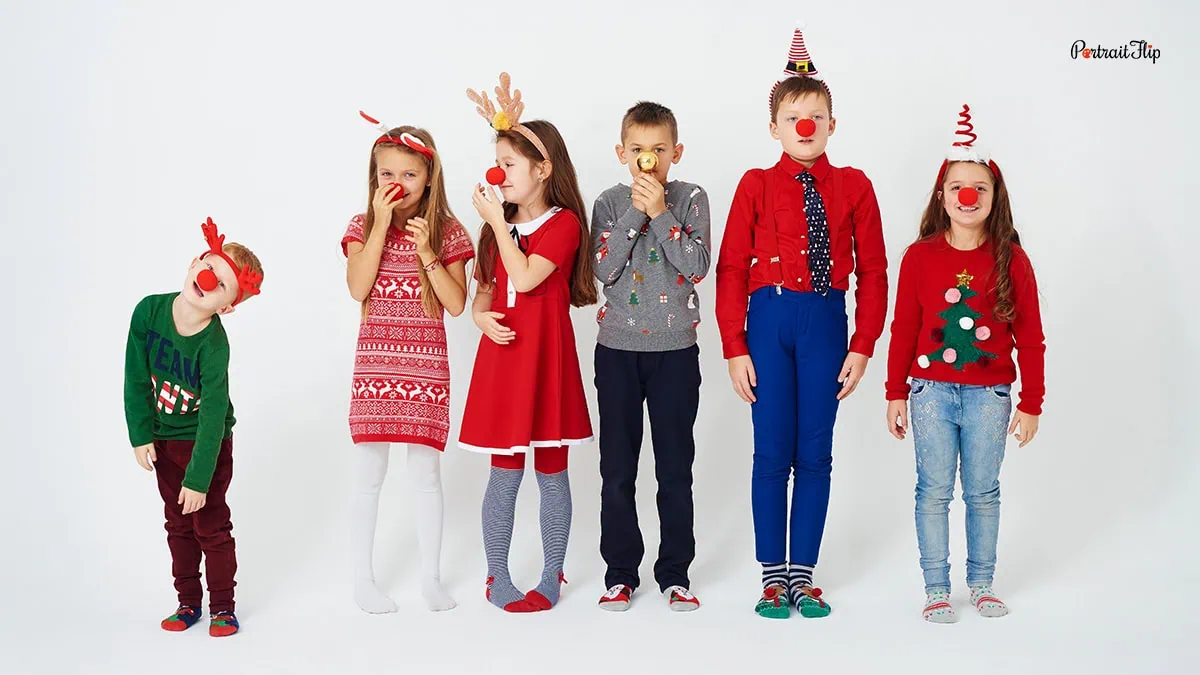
x=653, y=255
x=960, y=332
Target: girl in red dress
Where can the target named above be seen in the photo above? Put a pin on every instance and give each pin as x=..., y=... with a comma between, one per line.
x=406, y=264
x=526, y=392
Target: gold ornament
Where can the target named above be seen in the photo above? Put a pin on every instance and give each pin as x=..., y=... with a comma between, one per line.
x=964, y=279
x=647, y=161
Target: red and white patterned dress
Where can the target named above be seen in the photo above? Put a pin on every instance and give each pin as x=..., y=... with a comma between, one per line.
x=401, y=386
x=529, y=393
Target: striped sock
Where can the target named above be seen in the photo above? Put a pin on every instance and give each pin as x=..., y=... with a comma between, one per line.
x=938, y=608
x=555, y=490
x=799, y=576
x=774, y=574
x=499, y=507
x=987, y=603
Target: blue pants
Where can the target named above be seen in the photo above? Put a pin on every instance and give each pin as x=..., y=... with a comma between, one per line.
x=798, y=343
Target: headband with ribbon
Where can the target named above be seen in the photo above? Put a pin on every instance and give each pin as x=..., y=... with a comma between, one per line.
x=247, y=279
x=406, y=139
x=508, y=118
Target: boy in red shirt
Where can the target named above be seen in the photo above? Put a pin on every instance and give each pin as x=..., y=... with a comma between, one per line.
x=795, y=232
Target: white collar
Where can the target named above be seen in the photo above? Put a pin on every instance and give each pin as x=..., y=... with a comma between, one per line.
x=526, y=229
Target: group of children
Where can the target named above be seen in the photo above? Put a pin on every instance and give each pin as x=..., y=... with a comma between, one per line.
x=795, y=232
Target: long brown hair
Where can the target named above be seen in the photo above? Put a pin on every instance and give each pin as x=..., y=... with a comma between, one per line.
x=433, y=207
x=563, y=192
x=999, y=232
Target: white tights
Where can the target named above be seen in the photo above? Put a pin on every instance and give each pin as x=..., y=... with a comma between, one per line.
x=424, y=475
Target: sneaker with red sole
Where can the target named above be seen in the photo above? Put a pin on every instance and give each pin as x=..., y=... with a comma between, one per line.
x=680, y=599
x=184, y=618
x=617, y=598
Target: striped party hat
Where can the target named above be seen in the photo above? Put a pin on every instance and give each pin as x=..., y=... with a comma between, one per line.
x=799, y=64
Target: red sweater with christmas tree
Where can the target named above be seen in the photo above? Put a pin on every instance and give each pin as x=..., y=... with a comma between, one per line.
x=945, y=328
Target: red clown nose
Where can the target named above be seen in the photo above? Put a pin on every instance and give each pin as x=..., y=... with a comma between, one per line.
x=806, y=127
x=968, y=196
x=495, y=175
x=399, y=193
x=206, y=280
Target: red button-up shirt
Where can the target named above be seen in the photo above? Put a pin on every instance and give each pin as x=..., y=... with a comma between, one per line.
x=773, y=199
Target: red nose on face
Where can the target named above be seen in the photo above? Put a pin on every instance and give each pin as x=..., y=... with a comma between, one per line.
x=806, y=127
x=968, y=196
x=399, y=193
x=495, y=176
x=206, y=280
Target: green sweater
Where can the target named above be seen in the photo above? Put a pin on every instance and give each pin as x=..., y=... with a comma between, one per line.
x=167, y=375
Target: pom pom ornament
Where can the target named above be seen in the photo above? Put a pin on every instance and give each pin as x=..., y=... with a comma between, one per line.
x=647, y=161
x=495, y=176
x=959, y=334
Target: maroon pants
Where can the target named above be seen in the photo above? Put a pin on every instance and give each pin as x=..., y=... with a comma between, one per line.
x=207, y=531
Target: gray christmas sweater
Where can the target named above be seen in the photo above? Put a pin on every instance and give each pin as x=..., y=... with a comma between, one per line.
x=650, y=268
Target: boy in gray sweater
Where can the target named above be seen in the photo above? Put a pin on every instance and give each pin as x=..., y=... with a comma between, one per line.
x=651, y=243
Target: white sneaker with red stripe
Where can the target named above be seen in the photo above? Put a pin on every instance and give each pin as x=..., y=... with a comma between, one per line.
x=616, y=599
x=680, y=599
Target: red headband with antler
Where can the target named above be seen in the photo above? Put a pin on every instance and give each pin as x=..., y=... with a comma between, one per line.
x=508, y=118
x=965, y=150
x=406, y=139
x=248, y=280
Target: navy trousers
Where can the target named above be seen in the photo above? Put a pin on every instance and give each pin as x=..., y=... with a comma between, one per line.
x=798, y=343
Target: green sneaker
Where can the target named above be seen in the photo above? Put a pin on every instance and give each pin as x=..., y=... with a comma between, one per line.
x=774, y=603
x=811, y=605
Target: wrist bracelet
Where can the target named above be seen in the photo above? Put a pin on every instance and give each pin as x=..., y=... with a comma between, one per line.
x=431, y=266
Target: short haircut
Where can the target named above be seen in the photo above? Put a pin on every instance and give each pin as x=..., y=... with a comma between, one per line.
x=648, y=114
x=796, y=87
x=244, y=258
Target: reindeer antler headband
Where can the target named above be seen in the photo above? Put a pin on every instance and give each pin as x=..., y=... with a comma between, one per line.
x=248, y=280
x=508, y=118
x=964, y=150
x=406, y=139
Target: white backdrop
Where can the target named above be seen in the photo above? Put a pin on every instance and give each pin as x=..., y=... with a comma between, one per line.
x=122, y=127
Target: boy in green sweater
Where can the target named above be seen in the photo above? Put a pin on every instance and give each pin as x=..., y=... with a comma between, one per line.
x=180, y=420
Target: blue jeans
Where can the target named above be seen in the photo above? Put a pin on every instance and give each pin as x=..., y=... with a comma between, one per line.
x=797, y=342
x=958, y=425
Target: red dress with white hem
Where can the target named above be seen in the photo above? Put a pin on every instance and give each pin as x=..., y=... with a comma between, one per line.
x=529, y=393
x=401, y=386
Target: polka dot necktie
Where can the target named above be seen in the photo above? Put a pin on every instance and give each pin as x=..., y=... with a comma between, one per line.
x=818, y=235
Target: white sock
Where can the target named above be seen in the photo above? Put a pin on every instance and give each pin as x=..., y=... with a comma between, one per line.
x=425, y=477
x=371, y=463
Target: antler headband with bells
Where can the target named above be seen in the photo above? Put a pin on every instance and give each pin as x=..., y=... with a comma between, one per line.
x=406, y=139
x=965, y=151
x=507, y=118
x=248, y=280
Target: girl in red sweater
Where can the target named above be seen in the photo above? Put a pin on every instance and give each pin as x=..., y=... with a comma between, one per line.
x=966, y=297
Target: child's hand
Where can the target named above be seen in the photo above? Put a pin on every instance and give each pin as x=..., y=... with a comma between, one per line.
x=489, y=205
x=649, y=196
x=192, y=501
x=489, y=323
x=897, y=418
x=418, y=233
x=1024, y=426
x=741, y=373
x=383, y=205
x=852, y=371
x=145, y=456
